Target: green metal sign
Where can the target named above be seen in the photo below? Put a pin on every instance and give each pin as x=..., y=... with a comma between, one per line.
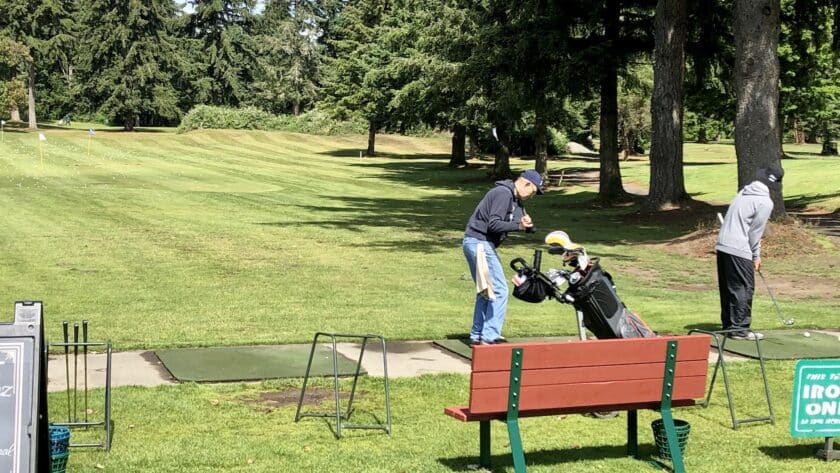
x=816, y=399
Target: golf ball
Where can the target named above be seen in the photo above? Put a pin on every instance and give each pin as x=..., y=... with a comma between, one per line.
x=807, y=334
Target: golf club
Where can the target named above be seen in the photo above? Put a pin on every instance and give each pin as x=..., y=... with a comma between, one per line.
x=785, y=321
x=75, y=371
x=85, y=341
x=67, y=366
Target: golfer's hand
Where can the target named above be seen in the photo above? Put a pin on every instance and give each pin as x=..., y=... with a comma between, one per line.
x=757, y=264
x=525, y=223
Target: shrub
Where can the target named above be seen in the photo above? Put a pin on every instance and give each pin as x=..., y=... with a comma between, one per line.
x=250, y=118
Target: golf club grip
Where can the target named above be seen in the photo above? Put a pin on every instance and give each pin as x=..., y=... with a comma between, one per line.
x=65, y=326
x=522, y=264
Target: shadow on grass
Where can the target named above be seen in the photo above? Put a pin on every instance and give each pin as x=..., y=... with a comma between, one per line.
x=552, y=457
x=439, y=220
x=802, y=201
x=354, y=153
x=790, y=452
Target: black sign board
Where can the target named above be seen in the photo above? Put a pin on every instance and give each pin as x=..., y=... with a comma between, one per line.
x=24, y=439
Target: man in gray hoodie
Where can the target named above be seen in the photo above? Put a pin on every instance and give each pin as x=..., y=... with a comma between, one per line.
x=739, y=250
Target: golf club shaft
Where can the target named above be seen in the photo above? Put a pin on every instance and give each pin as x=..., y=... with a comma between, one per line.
x=85, y=348
x=64, y=326
x=75, y=371
x=773, y=298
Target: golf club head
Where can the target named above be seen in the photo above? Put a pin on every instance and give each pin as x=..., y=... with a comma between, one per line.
x=495, y=135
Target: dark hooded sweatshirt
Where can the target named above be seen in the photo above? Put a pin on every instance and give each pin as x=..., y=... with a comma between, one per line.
x=498, y=213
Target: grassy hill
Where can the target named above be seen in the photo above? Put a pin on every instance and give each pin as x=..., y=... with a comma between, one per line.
x=226, y=238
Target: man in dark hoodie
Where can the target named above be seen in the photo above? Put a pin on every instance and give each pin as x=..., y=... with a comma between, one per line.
x=499, y=212
x=739, y=250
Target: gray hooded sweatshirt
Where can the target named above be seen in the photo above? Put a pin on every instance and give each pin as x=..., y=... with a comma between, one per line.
x=742, y=229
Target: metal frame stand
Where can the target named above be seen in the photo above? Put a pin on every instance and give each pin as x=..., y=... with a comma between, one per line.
x=74, y=420
x=721, y=364
x=339, y=417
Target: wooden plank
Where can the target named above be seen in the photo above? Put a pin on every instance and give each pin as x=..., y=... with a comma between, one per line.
x=585, y=394
x=500, y=379
x=464, y=414
x=595, y=353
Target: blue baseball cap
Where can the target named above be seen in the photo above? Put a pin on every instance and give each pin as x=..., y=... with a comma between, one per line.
x=535, y=178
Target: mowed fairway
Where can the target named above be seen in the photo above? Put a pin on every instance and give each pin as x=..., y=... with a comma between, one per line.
x=230, y=238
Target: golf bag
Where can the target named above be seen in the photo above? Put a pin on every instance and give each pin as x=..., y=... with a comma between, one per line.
x=604, y=314
x=591, y=291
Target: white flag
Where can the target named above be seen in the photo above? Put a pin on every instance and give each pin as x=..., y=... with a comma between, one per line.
x=2, y=122
x=42, y=137
x=91, y=132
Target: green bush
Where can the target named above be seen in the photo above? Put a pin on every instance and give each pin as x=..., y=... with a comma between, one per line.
x=206, y=116
x=557, y=140
x=314, y=122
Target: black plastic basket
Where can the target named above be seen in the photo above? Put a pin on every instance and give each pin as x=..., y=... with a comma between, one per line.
x=682, y=427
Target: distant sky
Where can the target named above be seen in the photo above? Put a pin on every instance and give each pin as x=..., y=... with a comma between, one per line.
x=189, y=9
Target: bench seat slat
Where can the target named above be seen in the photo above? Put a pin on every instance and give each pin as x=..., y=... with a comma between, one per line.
x=464, y=414
x=592, y=395
x=500, y=379
x=596, y=353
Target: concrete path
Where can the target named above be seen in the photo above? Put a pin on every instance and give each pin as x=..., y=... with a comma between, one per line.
x=142, y=368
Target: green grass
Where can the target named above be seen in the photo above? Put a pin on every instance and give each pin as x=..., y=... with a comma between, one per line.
x=230, y=238
x=210, y=428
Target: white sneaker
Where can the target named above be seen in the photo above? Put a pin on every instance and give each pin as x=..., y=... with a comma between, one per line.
x=747, y=336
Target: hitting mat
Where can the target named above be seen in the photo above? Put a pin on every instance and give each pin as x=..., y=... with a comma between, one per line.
x=251, y=363
x=787, y=345
x=461, y=346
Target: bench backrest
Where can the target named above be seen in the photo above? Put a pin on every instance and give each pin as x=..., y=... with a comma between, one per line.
x=588, y=373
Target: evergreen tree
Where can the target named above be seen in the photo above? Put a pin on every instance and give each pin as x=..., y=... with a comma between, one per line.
x=127, y=58
x=289, y=59
x=357, y=83
x=224, y=50
x=43, y=27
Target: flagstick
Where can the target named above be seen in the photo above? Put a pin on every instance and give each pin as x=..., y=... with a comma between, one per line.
x=88, y=150
x=41, y=152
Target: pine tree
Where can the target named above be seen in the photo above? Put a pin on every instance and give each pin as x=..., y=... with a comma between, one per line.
x=225, y=49
x=289, y=59
x=43, y=27
x=357, y=84
x=126, y=60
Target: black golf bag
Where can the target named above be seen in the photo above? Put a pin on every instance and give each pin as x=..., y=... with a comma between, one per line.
x=591, y=292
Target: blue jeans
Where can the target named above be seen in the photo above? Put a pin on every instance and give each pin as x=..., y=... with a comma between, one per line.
x=488, y=316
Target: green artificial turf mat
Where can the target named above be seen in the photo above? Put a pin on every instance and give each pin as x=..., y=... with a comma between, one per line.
x=251, y=363
x=787, y=345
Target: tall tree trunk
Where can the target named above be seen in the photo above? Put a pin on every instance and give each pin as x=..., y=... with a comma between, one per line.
x=667, y=183
x=610, y=188
x=296, y=108
x=798, y=135
x=33, y=122
x=757, y=142
x=501, y=165
x=472, y=133
x=701, y=135
x=371, y=149
x=541, y=144
x=459, y=143
x=15, y=114
x=128, y=122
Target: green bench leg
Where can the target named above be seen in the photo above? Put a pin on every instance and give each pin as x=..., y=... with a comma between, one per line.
x=512, y=420
x=633, y=434
x=516, y=446
x=484, y=444
x=665, y=408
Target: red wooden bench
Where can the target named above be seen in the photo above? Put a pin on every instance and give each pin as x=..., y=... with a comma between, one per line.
x=509, y=381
